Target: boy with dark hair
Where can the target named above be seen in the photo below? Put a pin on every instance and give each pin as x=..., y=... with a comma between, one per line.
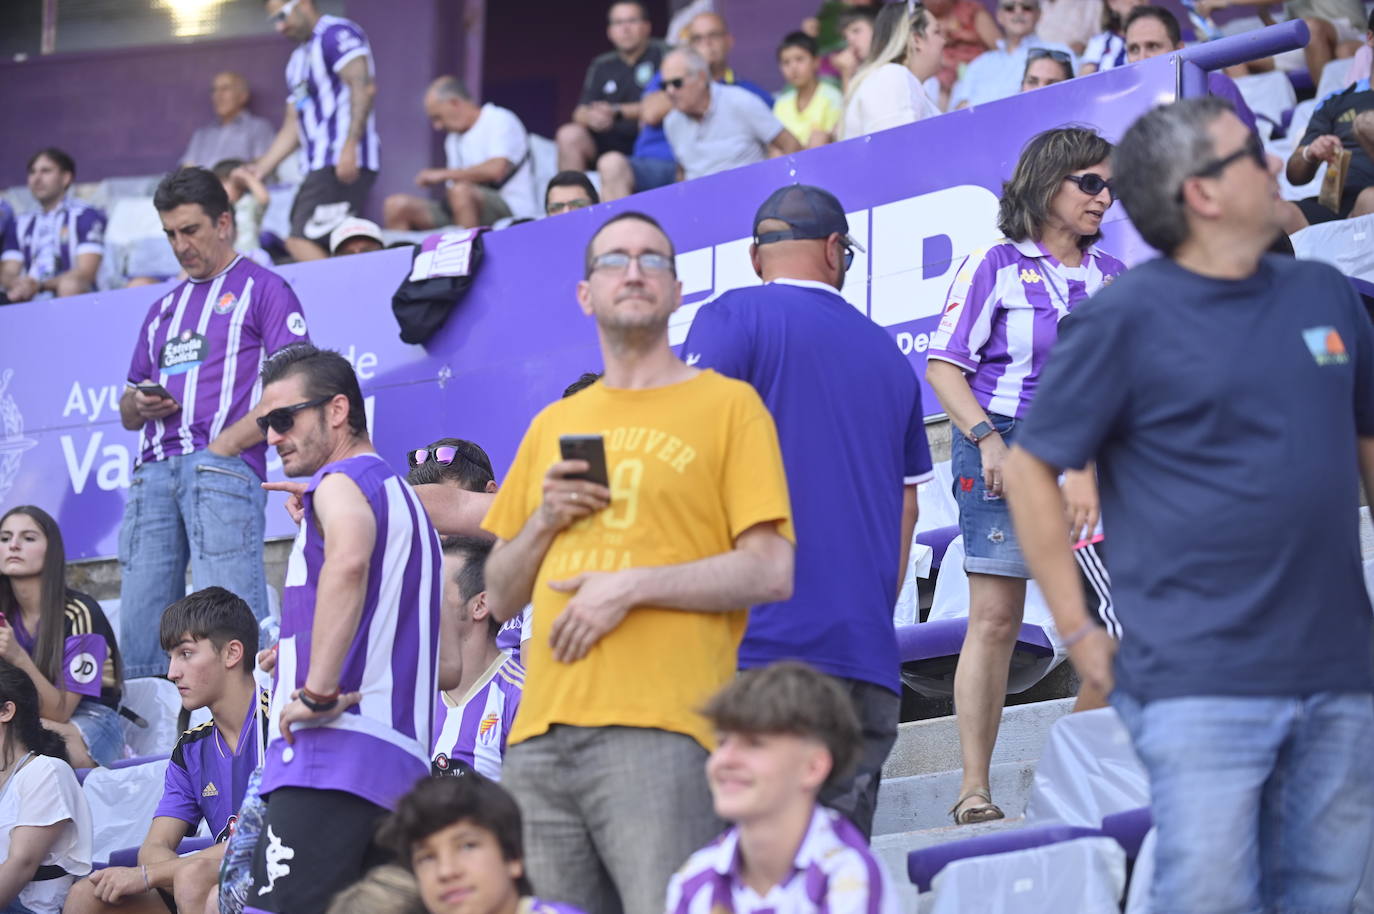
x=567, y=191
x=445, y=820
x=211, y=639
x=472, y=720
x=784, y=732
x=810, y=108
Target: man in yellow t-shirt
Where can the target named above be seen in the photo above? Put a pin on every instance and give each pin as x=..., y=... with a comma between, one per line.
x=640, y=590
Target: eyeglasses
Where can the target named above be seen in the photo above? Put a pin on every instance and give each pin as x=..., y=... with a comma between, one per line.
x=1092, y=184
x=671, y=84
x=1023, y=7
x=1056, y=56
x=1253, y=148
x=619, y=262
x=443, y=454
x=282, y=418
x=286, y=10
x=559, y=206
x=790, y=235
x=705, y=36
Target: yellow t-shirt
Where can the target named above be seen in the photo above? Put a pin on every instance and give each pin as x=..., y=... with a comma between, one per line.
x=822, y=112
x=692, y=466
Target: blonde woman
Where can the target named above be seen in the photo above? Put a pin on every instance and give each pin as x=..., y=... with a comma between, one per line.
x=887, y=90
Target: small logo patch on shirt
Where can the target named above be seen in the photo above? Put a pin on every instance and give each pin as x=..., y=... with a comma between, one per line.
x=1326, y=345
x=210, y=790
x=487, y=729
x=1031, y=276
x=226, y=303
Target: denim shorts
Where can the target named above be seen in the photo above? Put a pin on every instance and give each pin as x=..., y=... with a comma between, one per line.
x=990, y=544
x=651, y=173
x=102, y=730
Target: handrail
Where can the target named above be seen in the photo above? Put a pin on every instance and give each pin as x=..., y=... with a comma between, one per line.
x=1234, y=49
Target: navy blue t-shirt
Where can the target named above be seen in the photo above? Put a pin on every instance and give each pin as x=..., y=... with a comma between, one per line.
x=1224, y=418
x=848, y=411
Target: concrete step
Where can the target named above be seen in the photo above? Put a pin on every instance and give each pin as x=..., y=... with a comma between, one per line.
x=930, y=746
x=922, y=801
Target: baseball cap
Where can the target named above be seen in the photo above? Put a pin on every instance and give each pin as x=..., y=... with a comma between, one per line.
x=809, y=211
x=355, y=228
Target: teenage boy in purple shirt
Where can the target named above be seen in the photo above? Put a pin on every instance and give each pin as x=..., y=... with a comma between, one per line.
x=211, y=639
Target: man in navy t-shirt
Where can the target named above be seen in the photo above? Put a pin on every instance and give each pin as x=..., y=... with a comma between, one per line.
x=849, y=418
x=211, y=639
x=1227, y=398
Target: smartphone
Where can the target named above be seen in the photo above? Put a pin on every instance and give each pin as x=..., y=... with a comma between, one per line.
x=590, y=448
x=154, y=389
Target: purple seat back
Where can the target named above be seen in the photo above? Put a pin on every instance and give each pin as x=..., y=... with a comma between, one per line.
x=925, y=864
x=1129, y=829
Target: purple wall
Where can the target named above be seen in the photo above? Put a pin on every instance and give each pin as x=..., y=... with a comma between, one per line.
x=128, y=111
x=758, y=26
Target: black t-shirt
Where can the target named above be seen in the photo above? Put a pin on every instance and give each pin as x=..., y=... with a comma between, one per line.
x=1224, y=418
x=611, y=79
x=1336, y=115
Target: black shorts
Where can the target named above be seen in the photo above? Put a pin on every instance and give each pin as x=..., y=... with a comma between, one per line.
x=1316, y=214
x=323, y=202
x=1097, y=586
x=314, y=843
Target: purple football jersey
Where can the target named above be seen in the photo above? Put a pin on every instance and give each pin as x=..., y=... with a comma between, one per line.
x=474, y=732
x=323, y=101
x=205, y=341
x=48, y=243
x=207, y=781
x=379, y=747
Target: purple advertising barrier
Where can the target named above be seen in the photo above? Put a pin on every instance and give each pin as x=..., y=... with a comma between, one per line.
x=920, y=199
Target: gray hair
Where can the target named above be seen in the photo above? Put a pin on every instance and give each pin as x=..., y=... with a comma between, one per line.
x=694, y=61
x=1159, y=152
x=446, y=87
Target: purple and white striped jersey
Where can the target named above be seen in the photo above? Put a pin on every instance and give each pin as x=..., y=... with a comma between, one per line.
x=474, y=730
x=6, y=222
x=515, y=631
x=205, y=341
x=378, y=748
x=1002, y=317
x=47, y=244
x=531, y=905
x=322, y=99
x=834, y=870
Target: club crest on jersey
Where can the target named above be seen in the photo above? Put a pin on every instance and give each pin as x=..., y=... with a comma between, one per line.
x=185, y=352
x=488, y=728
x=1030, y=276
x=226, y=303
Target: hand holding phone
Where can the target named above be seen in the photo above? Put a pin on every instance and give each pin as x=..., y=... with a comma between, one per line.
x=154, y=389
x=591, y=448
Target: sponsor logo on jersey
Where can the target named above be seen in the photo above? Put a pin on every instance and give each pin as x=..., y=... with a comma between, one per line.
x=1031, y=276
x=187, y=351
x=295, y=322
x=210, y=790
x=1326, y=345
x=83, y=669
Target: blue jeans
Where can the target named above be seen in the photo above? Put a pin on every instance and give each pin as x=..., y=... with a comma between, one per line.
x=101, y=729
x=203, y=509
x=1261, y=804
x=990, y=543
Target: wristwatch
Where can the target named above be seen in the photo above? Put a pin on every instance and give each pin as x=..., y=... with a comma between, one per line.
x=980, y=431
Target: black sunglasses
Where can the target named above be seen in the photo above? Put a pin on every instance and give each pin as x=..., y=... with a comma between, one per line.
x=1092, y=184
x=674, y=83
x=1051, y=53
x=442, y=454
x=282, y=418
x=1253, y=148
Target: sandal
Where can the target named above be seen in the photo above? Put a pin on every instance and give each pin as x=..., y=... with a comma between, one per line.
x=982, y=812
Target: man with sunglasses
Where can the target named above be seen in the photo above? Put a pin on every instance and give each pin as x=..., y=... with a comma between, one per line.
x=997, y=73
x=813, y=357
x=640, y=589
x=357, y=664
x=195, y=494
x=1227, y=398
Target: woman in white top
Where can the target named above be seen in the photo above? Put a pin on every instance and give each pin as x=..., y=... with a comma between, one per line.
x=45, y=823
x=886, y=90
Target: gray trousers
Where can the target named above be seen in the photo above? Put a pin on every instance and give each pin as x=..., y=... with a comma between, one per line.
x=610, y=813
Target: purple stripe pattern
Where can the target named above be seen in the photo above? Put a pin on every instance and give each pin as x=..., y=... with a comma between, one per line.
x=1002, y=314
x=47, y=243
x=322, y=99
x=475, y=732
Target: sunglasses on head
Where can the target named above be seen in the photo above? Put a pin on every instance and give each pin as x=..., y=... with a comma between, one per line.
x=442, y=454
x=282, y=418
x=1056, y=56
x=1092, y=184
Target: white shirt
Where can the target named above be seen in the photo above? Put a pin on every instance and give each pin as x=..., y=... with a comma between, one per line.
x=498, y=133
x=888, y=97
x=45, y=792
x=997, y=73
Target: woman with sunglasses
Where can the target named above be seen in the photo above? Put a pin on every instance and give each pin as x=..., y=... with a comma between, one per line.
x=45, y=822
x=59, y=637
x=887, y=90
x=999, y=325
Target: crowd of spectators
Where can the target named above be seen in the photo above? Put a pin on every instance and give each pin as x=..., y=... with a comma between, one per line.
x=652, y=112
x=449, y=672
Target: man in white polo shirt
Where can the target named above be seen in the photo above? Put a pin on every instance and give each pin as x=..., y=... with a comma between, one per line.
x=715, y=127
